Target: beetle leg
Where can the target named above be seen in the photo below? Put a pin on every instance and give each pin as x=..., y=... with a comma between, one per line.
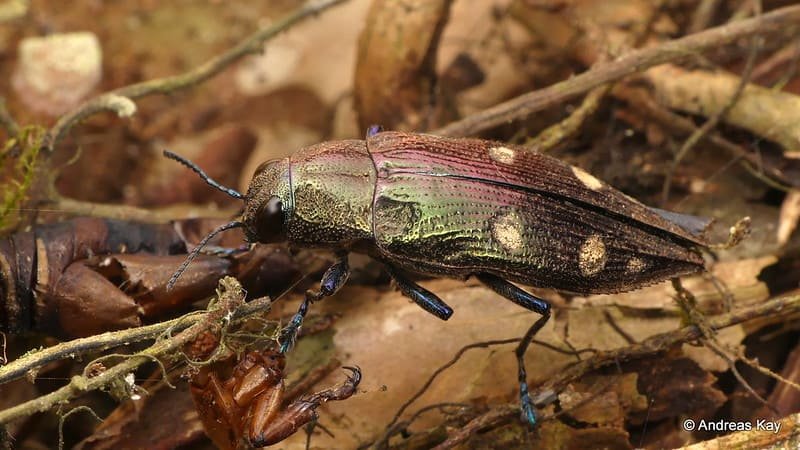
x=532, y=303
x=301, y=412
x=421, y=296
x=515, y=294
x=373, y=130
x=333, y=279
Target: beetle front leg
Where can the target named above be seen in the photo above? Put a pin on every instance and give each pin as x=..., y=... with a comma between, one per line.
x=301, y=412
x=333, y=279
x=426, y=299
x=533, y=303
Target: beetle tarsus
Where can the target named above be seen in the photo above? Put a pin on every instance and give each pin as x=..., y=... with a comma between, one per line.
x=533, y=303
x=426, y=299
x=526, y=404
x=289, y=333
x=333, y=279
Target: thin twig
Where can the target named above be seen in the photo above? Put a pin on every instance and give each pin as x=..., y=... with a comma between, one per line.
x=783, y=306
x=4, y=358
x=555, y=134
x=779, y=307
x=787, y=54
x=491, y=419
x=391, y=428
x=64, y=205
x=633, y=62
x=703, y=15
x=500, y=416
x=252, y=44
x=712, y=121
x=33, y=361
x=640, y=101
x=561, y=131
x=228, y=306
x=6, y=121
x=720, y=351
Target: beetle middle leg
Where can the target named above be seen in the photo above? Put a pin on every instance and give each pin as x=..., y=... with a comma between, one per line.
x=333, y=279
x=426, y=299
x=533, y=303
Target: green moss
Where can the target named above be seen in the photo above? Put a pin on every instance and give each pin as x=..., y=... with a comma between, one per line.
x=24, y=151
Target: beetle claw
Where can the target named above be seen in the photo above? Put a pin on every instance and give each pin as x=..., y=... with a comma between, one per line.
x=526, y=405
x=355, y=378
x=289, y=333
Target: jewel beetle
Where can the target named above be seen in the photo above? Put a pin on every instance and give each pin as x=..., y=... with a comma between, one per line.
x=458, y=207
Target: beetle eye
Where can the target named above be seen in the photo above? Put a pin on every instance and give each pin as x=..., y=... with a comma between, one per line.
x=271, y=223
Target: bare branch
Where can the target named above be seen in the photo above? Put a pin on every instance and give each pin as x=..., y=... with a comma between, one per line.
x=252, y=44
x=633, y=62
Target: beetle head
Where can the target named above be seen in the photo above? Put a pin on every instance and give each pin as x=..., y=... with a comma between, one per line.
x=268, y=203
x=267, y=206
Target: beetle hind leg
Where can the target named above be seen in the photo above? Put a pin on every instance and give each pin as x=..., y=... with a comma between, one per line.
x=533, y=303
x=333, y=279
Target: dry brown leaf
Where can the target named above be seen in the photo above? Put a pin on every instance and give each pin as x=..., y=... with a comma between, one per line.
x=790, y=215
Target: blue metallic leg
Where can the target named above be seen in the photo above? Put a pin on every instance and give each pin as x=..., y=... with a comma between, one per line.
x=532, y=303
x=373, y=130
x=421, y=296
x=333, y=279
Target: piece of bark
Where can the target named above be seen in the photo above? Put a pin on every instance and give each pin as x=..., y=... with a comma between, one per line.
x=395, y=69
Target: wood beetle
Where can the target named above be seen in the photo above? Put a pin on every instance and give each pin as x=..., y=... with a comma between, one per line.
x=460, y=208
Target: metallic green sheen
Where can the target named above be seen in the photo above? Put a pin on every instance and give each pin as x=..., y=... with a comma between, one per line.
x=326, y=191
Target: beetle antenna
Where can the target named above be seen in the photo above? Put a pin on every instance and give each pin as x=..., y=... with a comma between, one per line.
x=230, y=191
x=196, y=251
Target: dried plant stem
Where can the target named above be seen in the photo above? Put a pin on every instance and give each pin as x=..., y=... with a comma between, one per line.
x=229, y=306
x=33, y=361
x=6, y=121
x=630, y=63
x=56, y=202
x=111, y=100
x=643, y=102
x=713, y=121
x=560, y=132
x=703, y=15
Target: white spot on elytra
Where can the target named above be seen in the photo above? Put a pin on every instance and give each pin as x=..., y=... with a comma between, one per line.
x=586, y=178
x=508, y=230
x=592, y=255
x=635, y=265
x=503, y=155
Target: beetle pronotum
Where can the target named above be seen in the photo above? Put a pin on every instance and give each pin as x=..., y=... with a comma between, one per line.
x=460, y=208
